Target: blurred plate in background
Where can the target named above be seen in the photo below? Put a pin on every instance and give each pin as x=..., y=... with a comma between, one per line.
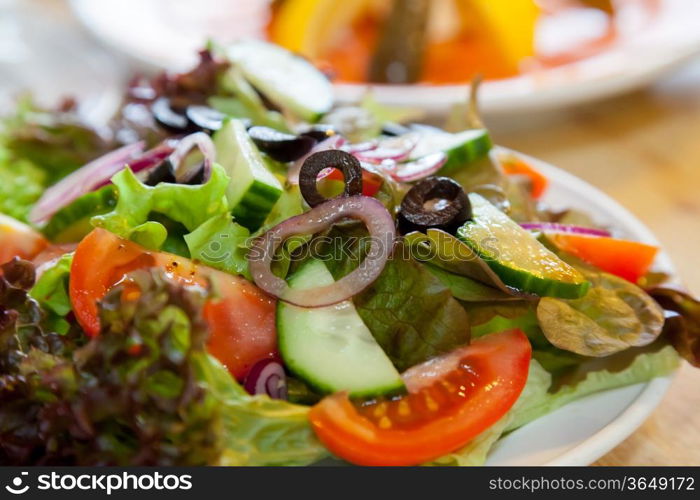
x=54, y=60
x=167, y=33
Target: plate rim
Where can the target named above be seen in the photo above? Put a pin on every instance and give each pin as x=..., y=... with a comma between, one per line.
x=617, y=431
x=653, y=391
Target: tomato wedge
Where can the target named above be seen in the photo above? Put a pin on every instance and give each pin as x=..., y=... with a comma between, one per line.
x=624, y=258
x=371, y=182
x=451, y=400
x=241, y=317
x=513, y=165
x=18, y=240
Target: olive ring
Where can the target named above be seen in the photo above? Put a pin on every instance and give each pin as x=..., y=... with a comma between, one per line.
x=332, y=158
x=454, y=209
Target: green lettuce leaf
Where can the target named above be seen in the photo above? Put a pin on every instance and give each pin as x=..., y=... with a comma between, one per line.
x=58, y=141
x=188, y=205
x=627, y=368
x=449, y=253
x=21, y=185
x=410, y=313
x=476, y=451
x=383, y=113
x=289, y=204
x=496, y=317
x=258, y=430
x=465, y=288
x=51, y=291
x=220, y=243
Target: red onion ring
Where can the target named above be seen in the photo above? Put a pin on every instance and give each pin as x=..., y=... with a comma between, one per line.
x=360, y=147
x=394, y=148
x=420, y=168
x=267, y=377
x=382, y=233
x=148, y=160
x=204, y=143
x=553, y=227
x=83, y=180
x=333, y=142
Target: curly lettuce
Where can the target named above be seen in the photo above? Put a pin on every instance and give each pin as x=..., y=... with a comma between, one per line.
x=188, y=205
x=143, y=392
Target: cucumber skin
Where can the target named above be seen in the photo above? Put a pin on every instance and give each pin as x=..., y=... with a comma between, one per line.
x=79, y=211
x=538, y=280
x=255, y=206
x=464, y=154
x=527, y=282
x=251, y=205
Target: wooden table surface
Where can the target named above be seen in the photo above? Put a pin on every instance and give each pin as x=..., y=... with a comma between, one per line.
x=643, y=149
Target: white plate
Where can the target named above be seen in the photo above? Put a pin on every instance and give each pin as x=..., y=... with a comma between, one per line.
x=585, y=430
x=167, y=33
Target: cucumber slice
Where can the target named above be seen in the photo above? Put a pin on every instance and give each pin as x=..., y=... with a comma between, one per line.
x=516, y=256
x=287, y=80
x=71, y=223
x=253, y=189
x=330, y=348
x=461, y=148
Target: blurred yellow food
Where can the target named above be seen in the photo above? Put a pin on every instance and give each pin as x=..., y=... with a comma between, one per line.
x=309, y=27
x=465, y=37
x=507, y=24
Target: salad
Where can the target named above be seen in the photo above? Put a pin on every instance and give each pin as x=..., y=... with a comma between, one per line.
x=235, y=271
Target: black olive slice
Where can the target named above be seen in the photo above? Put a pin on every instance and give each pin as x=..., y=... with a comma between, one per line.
x=165, y=172
x=332, y=158
x=204, y=118
x=280, y=146
x=435, y=202
x=319, y=132
x=169, y=117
